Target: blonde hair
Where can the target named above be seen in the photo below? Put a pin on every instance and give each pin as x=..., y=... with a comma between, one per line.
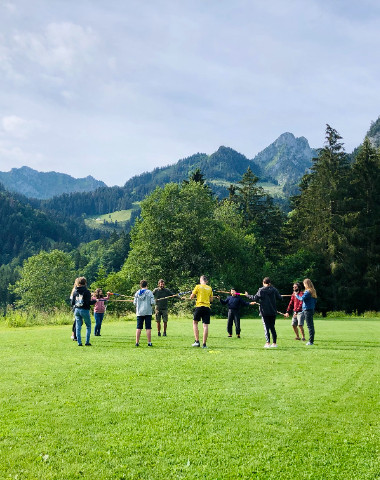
x=308, y=284
x=76, y=284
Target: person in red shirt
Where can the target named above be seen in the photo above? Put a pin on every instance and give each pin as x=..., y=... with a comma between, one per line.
x=295, y=306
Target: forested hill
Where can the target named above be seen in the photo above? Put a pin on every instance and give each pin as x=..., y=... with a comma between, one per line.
x=43, y=185
x=25, y=230
x=220, y=169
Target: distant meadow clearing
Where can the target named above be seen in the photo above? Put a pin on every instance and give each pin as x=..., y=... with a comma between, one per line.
x=232, y=411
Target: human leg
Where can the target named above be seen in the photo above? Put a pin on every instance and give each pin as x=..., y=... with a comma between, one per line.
x=301, y=320
x=148, y=328
x=295, y=326
x=139, y=327
x=237, y=322
x=196, y=330
x=79, y=322
x=158, y=321
x=87, y=320
x=205, y=333
x=310, y=324
x=230, y=320
x=266, y=330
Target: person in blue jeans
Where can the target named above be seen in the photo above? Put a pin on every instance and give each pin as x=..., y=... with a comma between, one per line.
x=81, y=301
x=309, y=299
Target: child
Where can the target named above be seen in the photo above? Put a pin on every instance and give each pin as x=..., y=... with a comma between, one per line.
x=99, y=309
x=144, y=300
x=234, y=303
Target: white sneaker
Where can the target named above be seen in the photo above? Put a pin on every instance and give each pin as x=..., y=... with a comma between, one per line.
x=309, y=343
x=274, y=345
x=267, y=345
x=196, y=344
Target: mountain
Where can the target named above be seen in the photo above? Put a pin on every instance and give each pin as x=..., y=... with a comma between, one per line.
x=43, y=185
x=374, y=133
x=286, y=159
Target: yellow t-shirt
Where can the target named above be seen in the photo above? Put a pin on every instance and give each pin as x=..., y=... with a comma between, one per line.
x=203, y=293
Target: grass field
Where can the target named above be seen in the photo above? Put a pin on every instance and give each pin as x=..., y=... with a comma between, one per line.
x=119, y=216
x=233, y=411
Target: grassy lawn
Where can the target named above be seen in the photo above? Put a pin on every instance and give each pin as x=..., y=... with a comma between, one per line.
x=233, y=411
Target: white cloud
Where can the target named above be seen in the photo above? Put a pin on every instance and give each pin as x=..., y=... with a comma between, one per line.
x=62, y=47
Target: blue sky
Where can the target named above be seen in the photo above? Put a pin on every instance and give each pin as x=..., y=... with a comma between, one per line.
x=114, y=88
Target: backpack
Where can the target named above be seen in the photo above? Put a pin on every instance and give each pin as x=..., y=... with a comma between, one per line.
x=79, y=301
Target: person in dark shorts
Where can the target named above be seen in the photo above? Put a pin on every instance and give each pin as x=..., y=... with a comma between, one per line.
x=203, y=293
x=295, y=306
x=144, y=300
x=161, y=310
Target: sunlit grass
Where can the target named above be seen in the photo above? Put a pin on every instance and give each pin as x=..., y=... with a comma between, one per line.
x=235, y=410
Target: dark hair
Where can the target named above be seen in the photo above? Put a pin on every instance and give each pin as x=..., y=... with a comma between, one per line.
x=299, y=285
x=97, y=293
x=267, y=281
x=143, y=283
x=82, y=281
x=204, y=278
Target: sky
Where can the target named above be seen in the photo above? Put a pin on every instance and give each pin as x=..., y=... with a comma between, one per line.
x=113, y=88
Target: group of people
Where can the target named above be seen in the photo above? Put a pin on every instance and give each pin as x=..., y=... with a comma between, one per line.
x=301, y=307
x=81, y=301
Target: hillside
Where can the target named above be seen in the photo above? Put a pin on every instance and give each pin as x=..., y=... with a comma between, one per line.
x=374, y=133
x=25, y=230
x=43, y=185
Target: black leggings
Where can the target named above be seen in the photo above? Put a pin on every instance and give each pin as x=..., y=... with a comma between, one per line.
x=268, y=322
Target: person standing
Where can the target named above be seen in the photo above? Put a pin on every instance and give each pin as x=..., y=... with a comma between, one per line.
x=295, y=306
x=161, y=309
x=144, y=300
x=203, y=293
x=81, y=301
x=74, y=328
x=234, y=302
x=99, y=309
x=309, y=299
x=266, y=297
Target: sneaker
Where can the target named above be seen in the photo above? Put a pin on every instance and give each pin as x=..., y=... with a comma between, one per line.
x=238, y=336
x=267, y=345
x=204, y=346
x=274, y=345
x=80, y=345
x=150, y=344
x=309, y=343
x=137, y=344
x=159, y=334
x=196, y=344
x=164, y=334
x=72, y=337
x=88, y=345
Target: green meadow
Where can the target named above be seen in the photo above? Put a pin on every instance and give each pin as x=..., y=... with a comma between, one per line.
x=232, y=411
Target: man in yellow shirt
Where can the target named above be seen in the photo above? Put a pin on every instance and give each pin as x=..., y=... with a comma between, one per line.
x=203, y=292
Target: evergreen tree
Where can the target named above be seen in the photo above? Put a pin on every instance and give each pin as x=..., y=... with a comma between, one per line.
x=320, y=210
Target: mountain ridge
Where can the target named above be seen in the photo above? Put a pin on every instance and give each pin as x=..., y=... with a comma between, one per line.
x=43, y=185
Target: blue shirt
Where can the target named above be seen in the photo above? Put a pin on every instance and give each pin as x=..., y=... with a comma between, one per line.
x=308, y=302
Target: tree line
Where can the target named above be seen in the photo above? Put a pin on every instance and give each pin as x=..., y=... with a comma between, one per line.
x=331, y=234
